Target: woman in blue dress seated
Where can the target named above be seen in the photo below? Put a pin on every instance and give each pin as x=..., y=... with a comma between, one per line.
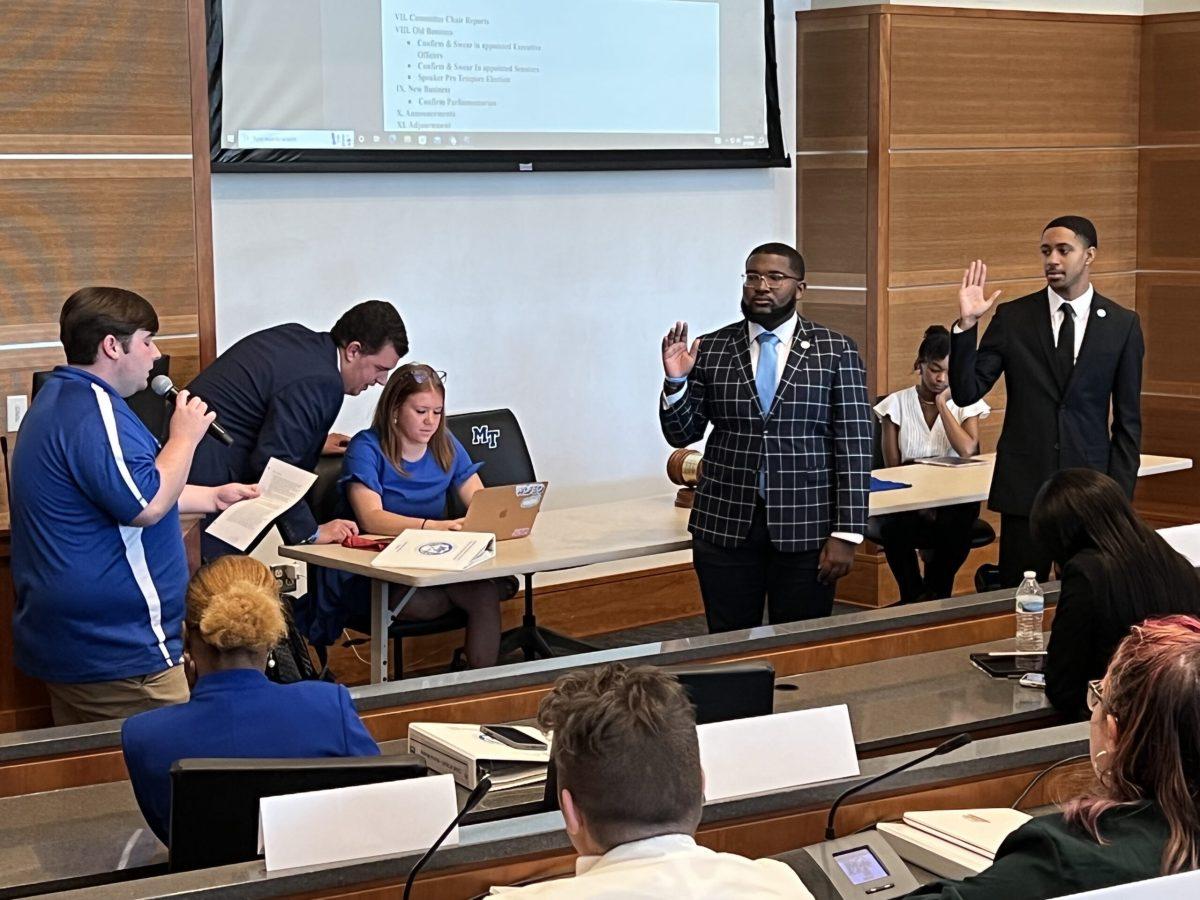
x=398, y=474
x=234, y=618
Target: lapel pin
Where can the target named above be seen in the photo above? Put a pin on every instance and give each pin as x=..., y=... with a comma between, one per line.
x=1102, y=313
x=804, y=345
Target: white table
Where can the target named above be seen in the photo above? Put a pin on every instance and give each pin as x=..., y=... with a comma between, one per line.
x=561, y=539
x=943, y=486
x=626, y=529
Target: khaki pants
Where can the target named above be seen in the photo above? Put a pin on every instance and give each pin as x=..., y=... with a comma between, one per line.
x=74, y=704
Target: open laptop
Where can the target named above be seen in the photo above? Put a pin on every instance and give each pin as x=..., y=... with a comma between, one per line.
x=507, y=511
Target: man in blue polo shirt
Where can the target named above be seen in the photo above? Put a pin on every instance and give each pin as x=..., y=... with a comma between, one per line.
x=97, y=553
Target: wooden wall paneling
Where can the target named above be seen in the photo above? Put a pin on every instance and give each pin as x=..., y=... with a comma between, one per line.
x=879, y=66
x=831, y=83
x=71, y=224
x=843, y=310
x=831, y=220
x=948, y=208
x=206, y=301
x=1169, y=207
x=89, y=76
x=962, y=82
x=1170, y=426
x=1170, y=80
x=1169, y=305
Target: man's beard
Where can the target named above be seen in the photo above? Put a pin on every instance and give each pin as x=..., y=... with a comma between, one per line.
x=769, y=320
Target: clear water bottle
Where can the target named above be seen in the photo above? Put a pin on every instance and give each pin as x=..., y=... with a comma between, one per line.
x=1031, y=603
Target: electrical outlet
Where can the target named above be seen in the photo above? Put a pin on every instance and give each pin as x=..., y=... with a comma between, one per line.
x=18, y=405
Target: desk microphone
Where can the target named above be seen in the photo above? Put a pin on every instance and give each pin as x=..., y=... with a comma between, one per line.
x=162, y=386
x=947, y=747
x=485, y=785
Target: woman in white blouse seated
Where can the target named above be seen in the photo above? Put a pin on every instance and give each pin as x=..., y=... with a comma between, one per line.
x=921, y=422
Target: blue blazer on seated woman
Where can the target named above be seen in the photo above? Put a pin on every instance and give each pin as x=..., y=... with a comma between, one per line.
x=233, y=618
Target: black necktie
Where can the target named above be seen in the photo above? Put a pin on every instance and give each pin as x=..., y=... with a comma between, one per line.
x=1065, y=350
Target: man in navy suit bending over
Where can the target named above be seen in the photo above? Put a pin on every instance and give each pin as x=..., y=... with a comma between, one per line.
x=782, y=499
x=277, y=393
x=1067, y=355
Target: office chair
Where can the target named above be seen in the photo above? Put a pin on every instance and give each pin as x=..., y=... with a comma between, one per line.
x=326, y=501
x=494, y=438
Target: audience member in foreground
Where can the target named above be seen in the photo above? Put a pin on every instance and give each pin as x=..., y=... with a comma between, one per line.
x=1115, y=573
x=98, y=561
x=233, y=619
x=920, y=422
x=1140, y=818
x=631, y=792
x=277, y=393
x=398, y=475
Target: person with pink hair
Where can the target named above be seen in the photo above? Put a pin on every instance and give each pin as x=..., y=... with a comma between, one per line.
x=1140, y=818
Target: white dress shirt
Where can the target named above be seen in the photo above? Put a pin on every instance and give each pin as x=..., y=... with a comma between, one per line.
x=1082, y=306
x=786, y=333
x=670, y=866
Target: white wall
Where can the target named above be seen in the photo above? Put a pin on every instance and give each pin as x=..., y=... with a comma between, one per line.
x=546, y=292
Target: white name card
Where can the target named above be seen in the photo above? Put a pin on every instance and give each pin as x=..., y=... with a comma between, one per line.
x=1184, y=540
x=765, y=753
x=322, y=827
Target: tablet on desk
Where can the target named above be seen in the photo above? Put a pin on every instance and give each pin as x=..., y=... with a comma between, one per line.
x=507, y=511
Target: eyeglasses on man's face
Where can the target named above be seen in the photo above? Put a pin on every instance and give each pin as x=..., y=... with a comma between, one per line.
x=770, y=279
x=1095, y=694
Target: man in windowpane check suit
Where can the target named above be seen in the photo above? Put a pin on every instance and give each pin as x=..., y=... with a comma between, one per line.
x=1068, y=355
x=782, y=499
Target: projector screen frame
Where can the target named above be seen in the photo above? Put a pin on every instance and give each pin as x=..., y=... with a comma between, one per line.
x=222, y=160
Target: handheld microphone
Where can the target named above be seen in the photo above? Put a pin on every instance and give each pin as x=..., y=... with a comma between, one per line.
x=485, y=785
x=946, y=747
x=163, y=386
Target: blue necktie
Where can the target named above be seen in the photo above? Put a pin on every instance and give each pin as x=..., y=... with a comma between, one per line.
x=765, y=379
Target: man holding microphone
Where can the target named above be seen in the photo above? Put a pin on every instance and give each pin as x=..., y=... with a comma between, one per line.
x=97, y=552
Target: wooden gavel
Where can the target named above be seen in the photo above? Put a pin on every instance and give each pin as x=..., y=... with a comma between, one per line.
x=683, y=467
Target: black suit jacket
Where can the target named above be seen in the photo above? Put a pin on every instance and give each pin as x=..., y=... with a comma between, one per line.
x=1091, y=619
x=816, y=439
x=1049, y=425
x=277, y=393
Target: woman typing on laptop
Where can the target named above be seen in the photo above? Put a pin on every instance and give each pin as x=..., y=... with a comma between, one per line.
x=398, y=475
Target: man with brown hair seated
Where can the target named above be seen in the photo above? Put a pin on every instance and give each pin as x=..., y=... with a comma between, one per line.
x=631, y=792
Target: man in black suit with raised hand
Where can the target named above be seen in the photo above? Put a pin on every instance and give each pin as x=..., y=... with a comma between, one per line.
x=782, y=499
x=1067, y=354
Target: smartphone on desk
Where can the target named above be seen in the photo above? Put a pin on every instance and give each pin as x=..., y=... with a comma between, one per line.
x=512, y=737
x=1033, y=680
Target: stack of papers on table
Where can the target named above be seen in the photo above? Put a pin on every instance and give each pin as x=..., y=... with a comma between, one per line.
x=467, y=753
x=449, y=551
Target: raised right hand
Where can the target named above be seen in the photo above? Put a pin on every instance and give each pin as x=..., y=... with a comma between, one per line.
x=972, y=304
x=191, y=418
x=678, y=358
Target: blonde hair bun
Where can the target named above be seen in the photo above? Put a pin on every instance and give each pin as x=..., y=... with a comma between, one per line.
x=234, y=603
